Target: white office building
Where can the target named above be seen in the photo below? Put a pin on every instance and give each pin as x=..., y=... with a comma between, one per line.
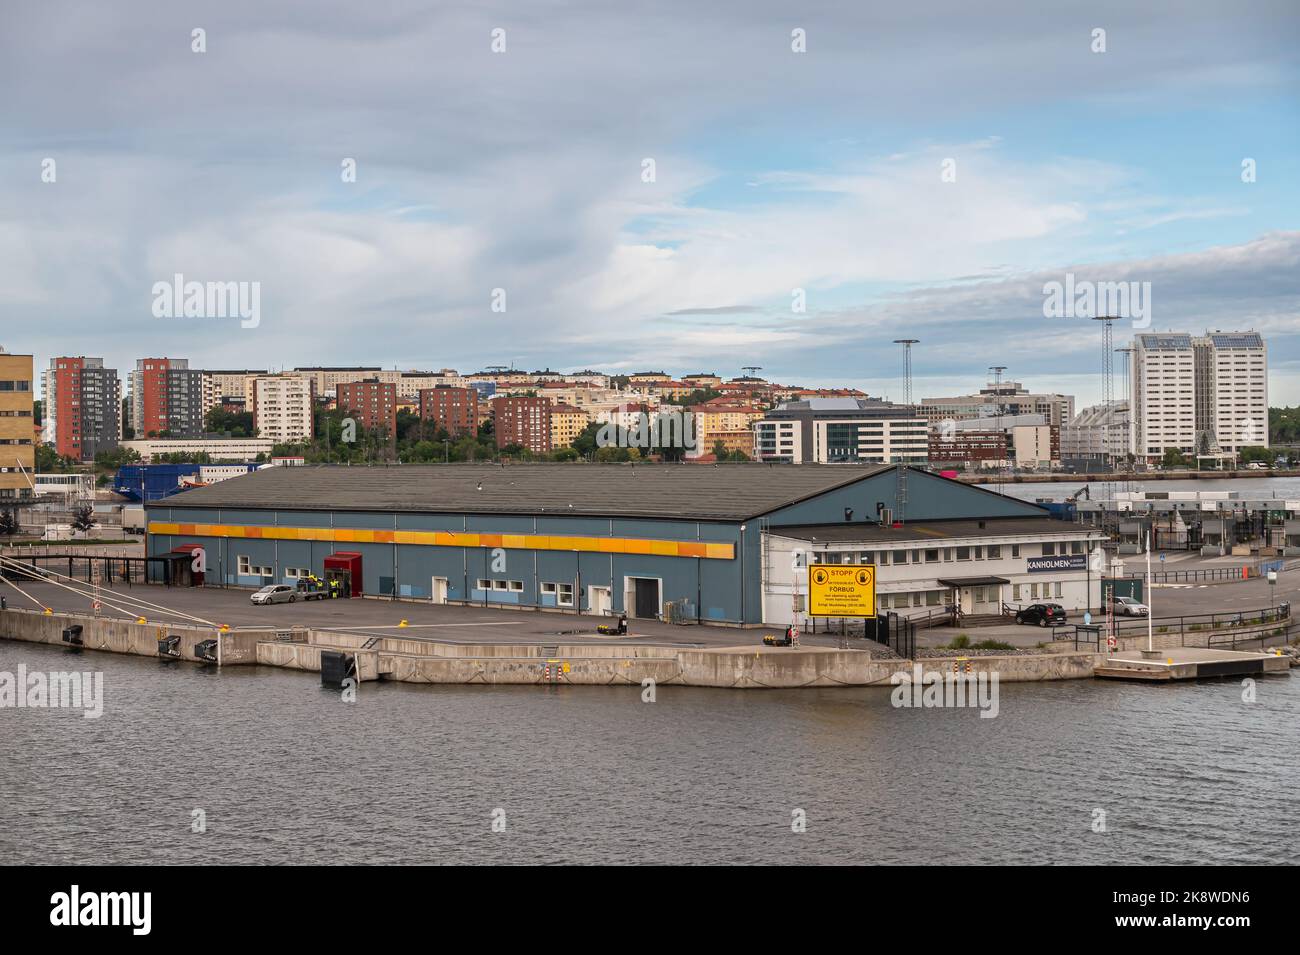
x=216, y=448
x=1097, y=434
x=842, y=431
x=924, y=567
x=1205, y=395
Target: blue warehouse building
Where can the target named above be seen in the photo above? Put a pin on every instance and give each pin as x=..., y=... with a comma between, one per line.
x=685, y=541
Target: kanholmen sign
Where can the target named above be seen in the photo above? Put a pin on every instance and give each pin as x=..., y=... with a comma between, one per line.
x=1069, y=562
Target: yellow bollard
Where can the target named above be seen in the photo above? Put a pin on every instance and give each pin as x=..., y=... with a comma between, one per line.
x=48, y=610
x=141, y=620
x=403, y=624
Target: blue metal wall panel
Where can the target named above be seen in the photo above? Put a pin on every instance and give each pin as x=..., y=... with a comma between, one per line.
x=929, y=498
x=430, y=522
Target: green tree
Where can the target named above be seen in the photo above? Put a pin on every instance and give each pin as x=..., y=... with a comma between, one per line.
x=49, y=461
x=1284, y=426
x=236, y=424
x=1173, y=458
x=83, y=518
x=696, y=397
x=116, y=458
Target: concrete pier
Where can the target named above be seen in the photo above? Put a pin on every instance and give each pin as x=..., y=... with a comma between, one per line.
x=1189, y=663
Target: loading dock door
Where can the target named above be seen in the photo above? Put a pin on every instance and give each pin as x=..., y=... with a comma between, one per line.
x=646, y=598
x=344, y=578
x=438, y=591
x=599, y=600
x=345, y=567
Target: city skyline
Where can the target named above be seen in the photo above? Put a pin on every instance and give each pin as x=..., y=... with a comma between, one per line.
x=888, y=389
x=922, y=187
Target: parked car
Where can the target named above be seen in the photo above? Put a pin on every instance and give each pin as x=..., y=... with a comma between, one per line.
x=1041, y=614
x=275, y=594
x=1128, y=607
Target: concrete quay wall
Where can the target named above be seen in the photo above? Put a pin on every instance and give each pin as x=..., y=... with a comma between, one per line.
x=420, y=661
x=238, y=647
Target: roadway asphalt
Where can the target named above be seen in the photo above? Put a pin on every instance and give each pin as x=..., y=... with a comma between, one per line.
x=1166, y=601
x=379, y=617
x=458, y=624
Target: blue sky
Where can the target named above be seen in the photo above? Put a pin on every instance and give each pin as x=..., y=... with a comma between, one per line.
x=775, y=170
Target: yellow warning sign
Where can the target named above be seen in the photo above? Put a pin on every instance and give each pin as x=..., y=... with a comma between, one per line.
x=841, y=590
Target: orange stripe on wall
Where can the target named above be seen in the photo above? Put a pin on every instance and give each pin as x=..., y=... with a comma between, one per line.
x=709, y=550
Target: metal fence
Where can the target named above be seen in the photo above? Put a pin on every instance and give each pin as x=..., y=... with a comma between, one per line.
x=1241, y=572
x=1218, y=629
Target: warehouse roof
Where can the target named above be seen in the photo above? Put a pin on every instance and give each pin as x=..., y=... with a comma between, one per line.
x=848, y=533
x=688, y=491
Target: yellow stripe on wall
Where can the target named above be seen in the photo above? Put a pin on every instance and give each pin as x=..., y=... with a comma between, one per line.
x=708, y=550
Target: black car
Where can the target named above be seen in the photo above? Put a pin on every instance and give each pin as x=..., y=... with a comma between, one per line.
x=1041, y=614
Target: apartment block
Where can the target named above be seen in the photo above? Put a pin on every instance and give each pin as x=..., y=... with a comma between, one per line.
x=409, y=384
x=225, y=388
x=522, y=420
x=456, y=410
x=166, y=398
x=1098, y=434
x=732, y=425
x=17, y=430
x=372, y=402
x=325, y=379
x=82, y=407
x=283, y=407
x=567, y=422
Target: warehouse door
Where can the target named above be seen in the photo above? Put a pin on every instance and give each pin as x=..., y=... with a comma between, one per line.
x=645, y=597
x=599, y=600
x=438, y=591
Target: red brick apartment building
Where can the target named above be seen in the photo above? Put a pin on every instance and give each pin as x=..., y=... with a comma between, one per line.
x=454, y=409
x=523, y=420
x=372, y=402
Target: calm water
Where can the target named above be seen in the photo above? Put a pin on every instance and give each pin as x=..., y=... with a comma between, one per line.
x=1279, y=487
x=286, y=772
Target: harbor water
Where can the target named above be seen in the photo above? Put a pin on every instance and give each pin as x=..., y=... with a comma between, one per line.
x=280, y=770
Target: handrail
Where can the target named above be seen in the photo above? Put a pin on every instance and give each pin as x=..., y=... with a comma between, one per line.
x=1232, y=638
x=1206, y=621
x=1185, y=576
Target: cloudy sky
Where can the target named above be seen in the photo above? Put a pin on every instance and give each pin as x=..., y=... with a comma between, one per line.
x=773, y=170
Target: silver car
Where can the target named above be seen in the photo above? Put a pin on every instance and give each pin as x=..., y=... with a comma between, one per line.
x=1128, y=607
x=275, y=594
